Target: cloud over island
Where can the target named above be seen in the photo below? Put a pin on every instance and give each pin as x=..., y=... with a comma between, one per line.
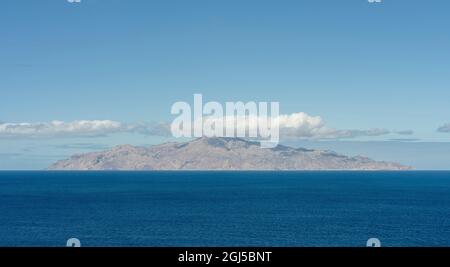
x=296, y=125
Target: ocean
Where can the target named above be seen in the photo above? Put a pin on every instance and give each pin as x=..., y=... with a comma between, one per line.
x=273, y=209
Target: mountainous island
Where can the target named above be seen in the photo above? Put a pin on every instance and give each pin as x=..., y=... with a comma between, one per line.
x=218, y=154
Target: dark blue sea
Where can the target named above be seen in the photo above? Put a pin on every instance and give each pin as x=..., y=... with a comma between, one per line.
x=225, y=208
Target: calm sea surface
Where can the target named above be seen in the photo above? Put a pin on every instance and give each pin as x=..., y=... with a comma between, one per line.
x=224, y=208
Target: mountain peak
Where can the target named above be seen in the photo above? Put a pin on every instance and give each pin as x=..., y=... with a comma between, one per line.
x=225, y=142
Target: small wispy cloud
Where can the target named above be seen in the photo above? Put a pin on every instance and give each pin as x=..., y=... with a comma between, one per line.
x=405, y=132
x=83, y=146
x=405, y=140
x=10, y=155
x=444, y=128
x=153, y=129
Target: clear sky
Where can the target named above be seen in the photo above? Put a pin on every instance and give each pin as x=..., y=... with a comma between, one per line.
x=359, y=66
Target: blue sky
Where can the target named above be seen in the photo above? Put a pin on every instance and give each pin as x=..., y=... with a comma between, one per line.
x=359, y=66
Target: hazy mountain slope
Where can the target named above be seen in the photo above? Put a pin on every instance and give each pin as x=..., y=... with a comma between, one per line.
x=218, y=154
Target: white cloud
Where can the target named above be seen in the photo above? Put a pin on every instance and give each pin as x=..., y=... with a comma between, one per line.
x=79, y=128
x=301, y=125
x=296, y=126
x=60, y=128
